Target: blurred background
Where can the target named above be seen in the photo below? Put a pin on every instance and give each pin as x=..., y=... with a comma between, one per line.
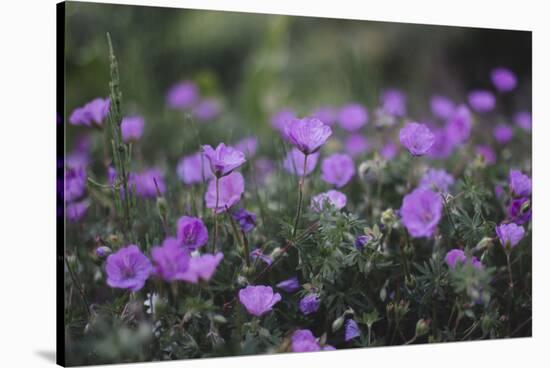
x=257, y=64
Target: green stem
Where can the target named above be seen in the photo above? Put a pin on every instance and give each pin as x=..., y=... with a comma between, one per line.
x=244, y=245
x=300, y=199
x=216, y=214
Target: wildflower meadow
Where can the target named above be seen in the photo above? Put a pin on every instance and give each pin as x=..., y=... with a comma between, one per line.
x=239, y=184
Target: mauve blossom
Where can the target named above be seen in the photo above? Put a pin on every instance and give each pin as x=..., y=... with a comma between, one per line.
x=389, y=151
x=421, y=212
x=170, y=260
x=77, y=210
x=337, y=169
x=437, y=180
x=394, y=102
x=328, y=348
x=481, y=101
x=191, y=232
x=442, y=107
x=523, y=119
x=259, y=254
x=459, y=126
x=77, y=158
x=519, y=210
x=182, y=95
x=258, y=300
x=503, y=79
x=75, y=183
x=290, y=285
x=362, y=240
x=307, y=134
x=417, y=138
x=144, y=183
x=207, y=109
x=131, y=128
x=510, y=234
x=92, y=113
x=303, y=341
x=351, y=330
x=488, y=154
x=223, y=159
x=194, y=169
x=356, y=144
x=231, y=188
x=457, y=256
x=248, y=146
x=128, y=268
x=282, y=118
x=326, y=114
x=503, y=133
x=353, y=116
x=245, y=219
x=263, y=169
x=202, y=268
x=519, y=183
x=442, y=146
x=333, y=197
x=294, y=162
x=309, y=304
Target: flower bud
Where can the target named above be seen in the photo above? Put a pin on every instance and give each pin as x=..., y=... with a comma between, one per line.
x=486, y=242
x=276, y=252
x=422, y=327
x=241, y=280
x=388, y=218
x=410, y=282
x=218, y=318
x=338, y=323
x=103, y=252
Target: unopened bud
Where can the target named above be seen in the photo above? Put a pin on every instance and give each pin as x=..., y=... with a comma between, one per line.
x=103, y=251
x=338, y=323
x=218, y=318
x=422, y=327
x=276, y=252
x=388, y=218
x=484, y=243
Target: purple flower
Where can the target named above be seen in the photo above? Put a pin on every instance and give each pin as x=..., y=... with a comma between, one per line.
x=171, y=261
x=263, y=169
x=294, y=162
x=144, y=183
x=356, y=144
x=258, y=253
x=75, y=183
x=457, y=256
x=353, y=116
x=307, y=134
x=248, y=146
x=282, y=118
x=362, y=240
x=191, y=232
x=224, y=159
x=128, y=268
x=421, y=212
x=351, y=330
x=481, y=101
x=290, y=285
x=202, y=268
x=519, y=183
x=503, y=79
x=523, y=120
x=333, y=198
x=503, y=133
x=337, y=169
x=231, y=188
x=309, y=304
x=245, y=219
x=417, y=138
x=207, y=109
x=509, y=234
x=92, y=113
x=182, y=95
x=328, y=348
x=132, y=128
x=519, y=210
x=459, y=126
x=326, y=114
x=258, y=300
x=442, y=146
x=394, y=102
x=303, y=341
x=485, y=151
x=389, y=151
x=77, y=210
x=194, y=168
x=442, y=107
x=437, y=180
